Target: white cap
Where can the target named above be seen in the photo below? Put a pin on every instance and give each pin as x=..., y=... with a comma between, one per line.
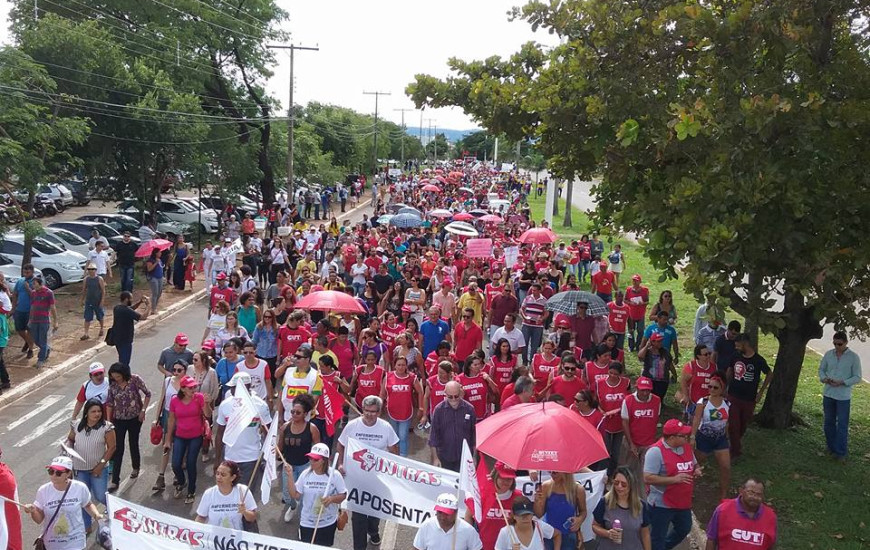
x=96, y=367
x=242, y=377
x=446, y=503
x=61, y=463
x=318, y=450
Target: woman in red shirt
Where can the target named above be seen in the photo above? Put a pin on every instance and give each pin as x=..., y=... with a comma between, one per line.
x=611, y=392
x=368, y=379
x=184, y=433
x=477, y=386
x=598, y=369
x=501, y=365
x=586, y=406
x=500, y=484
x=544, y=366
x=435, y=391
x=398, y=391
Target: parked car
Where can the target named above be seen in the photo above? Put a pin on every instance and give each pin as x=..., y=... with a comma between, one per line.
x=179, y=210
x=57, y=192
x=59, y=267
x=123, y=222
x=243, y=205
x=84, y=229
x=70, y=241
x=79, y=190
x=12, y=271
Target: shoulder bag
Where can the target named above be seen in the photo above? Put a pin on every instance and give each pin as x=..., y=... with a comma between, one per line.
x=39, y=543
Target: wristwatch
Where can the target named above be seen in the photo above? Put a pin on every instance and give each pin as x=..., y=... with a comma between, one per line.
x=103, y=461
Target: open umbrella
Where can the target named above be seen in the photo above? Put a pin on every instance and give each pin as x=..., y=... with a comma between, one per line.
x=538, y=235
x=455, y=174
x=461, y=228
x=463, y=217
x=404, y=221
x=566, y=302
x=466, y=189
x=440, y=213
x=478, y=213
x=385, y=219
x=554, y=438
x=431, y=188
x=410, y=210
x=330, y=300
x=145, y=248
x=491, y=218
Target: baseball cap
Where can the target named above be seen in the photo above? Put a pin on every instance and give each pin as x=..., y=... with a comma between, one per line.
x=188, y=382
x=522, y=507
x=505, y=471
x=221, y=276
x=636, y=277
x=563, y=321
x=181, y=339
x=644, y=383
x=675, y=427
x=319, y=450
x=61, y=463
x=656, y=337
x=96, y=367
x=446, y=503
x=208, y=344
x=228, y=240
x=603, y=264
x=447, y=282
x=242, y=377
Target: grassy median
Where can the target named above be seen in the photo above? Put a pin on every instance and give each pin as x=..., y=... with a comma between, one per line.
x=820, y=503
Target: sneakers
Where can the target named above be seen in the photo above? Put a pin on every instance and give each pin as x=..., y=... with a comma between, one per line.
x=190, y=499
x=375, y=539
x=288, y=515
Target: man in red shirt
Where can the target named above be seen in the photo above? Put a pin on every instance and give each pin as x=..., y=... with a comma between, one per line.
x=602, y=283
x=468, y=335
x=640, y=417
x=222, y=292
x=292, y=335
x=637, y=298
x=744, y=522
x=618, y=318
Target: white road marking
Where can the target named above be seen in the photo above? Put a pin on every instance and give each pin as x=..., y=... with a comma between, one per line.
x=391, y=529
x=45, y=403
x=56, y=419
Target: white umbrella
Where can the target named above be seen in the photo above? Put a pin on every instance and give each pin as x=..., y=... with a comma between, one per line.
x=461, y=228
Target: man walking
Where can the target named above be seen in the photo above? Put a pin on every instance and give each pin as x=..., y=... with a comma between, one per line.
x=453, y=421
x=534, y=311
x=43, y=316
x=178, y=350
x=126, y=254
x=839, y=370
x=123, y=316
x=744, y=374
x=21, y=307
x=744, y=522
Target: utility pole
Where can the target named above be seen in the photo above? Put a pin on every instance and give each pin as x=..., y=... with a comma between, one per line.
x=291, y=119
x=403, y=134
x=429, y=137
x=375, y=155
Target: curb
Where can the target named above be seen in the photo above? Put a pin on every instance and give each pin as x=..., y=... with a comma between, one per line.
x=25, y=388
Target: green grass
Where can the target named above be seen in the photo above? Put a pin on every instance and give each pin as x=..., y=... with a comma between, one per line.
x=820, y=504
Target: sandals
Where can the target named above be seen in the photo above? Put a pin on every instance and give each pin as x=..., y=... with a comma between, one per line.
x=160, y=484
x=179, y=490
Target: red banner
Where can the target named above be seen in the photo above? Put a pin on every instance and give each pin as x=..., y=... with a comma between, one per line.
x=332, y=406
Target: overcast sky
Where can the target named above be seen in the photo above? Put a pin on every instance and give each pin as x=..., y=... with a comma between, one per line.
x=381, y=44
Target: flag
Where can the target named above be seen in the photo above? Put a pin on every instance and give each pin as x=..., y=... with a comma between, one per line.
x=468, y=481
x=333, y=404
x=244, y=412
x=270, y=472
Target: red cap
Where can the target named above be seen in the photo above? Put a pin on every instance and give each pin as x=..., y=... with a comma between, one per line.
x=221, y=276
x=505, y=471
x=603, y=264
x=188, y=382
x=208, y=344
x=644, y=383
x=181, y=339
x=447, y=282
x=656, y=337
x=675, y=427
x=562, y=321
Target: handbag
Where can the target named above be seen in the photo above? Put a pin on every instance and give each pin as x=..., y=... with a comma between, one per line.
x=250, y=526
x=156, y=433
x=341, y=523
x=39, y=543
x=110, y=336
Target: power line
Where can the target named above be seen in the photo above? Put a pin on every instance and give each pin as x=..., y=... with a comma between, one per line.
x=239, y=10
x=234, y=18
x=152, y=142
x=215, y=25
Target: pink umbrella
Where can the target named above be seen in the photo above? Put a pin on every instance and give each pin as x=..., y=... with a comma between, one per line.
x=538, y=235
x=432, y=188
x=463, y=217
x=330, y=300
x=491, y=218
x=145, y=248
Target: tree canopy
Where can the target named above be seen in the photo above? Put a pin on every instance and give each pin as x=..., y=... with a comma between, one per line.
x=729, y=133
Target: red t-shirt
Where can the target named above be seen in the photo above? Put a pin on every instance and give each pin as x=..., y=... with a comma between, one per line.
x=610, y=398
x=595, y=372
x=475, y=393
x=436, y=392
x=618, y=317
x=500, y=371
x=603, y=281
x=468, y=340
x=368, y=383
x=226, y=294
x=643, y=417
x=289, y=340
x=400, y=398
x=389, y=334
x=542, y=368
x=344, y=353
x=567, y=388
x=430, y=364
x=635, y=299
x=490, y=292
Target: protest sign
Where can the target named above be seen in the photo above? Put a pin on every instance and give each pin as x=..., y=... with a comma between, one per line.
x=478, y=248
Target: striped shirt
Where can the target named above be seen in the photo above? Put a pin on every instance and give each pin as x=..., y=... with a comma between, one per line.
x=534, y=310
x=89, y=444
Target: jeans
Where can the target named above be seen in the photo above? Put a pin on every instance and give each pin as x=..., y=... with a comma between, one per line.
x=126, y=278
x=620, y=340
x=584, y=269
x=285, y=494
x=635, y=333
x=837, y=425
x=98, y=486
x=573, y=269
x=130, y=428
x=4, y=374
x=401, y=429
x=156, y=286
x=607, y=297
x=39, y=332
x=569, y=542
x=661, y=519
x=182, y=447
x=358, y=288
x=125, y=352
x=613, y=442
x=363, y=526
x=534, y=337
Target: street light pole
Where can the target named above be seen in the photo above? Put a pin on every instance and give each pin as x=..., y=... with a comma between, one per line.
x=403, y=134
x=429, y=136
x=375, y=155
x=291, y=120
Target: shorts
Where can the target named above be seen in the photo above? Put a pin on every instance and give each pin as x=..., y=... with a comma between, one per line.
x=22, y=319
x=709, y=444
x=92, y=310
x=616, y=268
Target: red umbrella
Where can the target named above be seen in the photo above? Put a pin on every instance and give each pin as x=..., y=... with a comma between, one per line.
x=432, y=188
x=442, y=179
x=145, y=248
x=456, y=174
x=491, y=218
x=554, y=438
x=463, y=217
x=538, y=235
x=330, y=300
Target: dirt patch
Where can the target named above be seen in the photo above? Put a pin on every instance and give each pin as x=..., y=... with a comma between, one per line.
x=66, y=342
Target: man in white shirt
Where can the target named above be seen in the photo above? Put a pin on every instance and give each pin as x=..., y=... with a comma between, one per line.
x=100, y=258
x=436, y=533
x=511, y=333
x=375, y=432
x=208, y=259
x=246, y=449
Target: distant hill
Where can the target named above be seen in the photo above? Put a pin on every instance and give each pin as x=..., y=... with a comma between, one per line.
x=452, y=135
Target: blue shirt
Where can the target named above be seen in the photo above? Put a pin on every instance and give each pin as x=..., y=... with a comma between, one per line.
x=225, y=370
x=669, y=334
x=266, y=341
x=23, y=296
x=433, y=334
x=846, y=368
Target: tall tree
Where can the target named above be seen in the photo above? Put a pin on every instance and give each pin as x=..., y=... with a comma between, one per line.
x=728, y=133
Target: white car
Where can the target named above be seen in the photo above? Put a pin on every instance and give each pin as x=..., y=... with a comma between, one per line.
x=179, y=210
x=12, y=271
x=59, y=267
x=70, y=241
x=57, y=192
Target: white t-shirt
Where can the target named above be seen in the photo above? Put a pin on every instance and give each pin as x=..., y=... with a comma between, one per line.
x=100, y=260
x=380, y=436
x=259, y=374
x=543, y=530
x=5, y=302
x=430, y=536
x=248, y=445
x=223, y=510
x=515, y=337
x=311, y=486
x=359, y=273
x=68, y=530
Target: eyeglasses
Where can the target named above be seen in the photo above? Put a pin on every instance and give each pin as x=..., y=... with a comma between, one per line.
x=57, y=473
x=451, y=397
x=179, y=370
x=569, y=369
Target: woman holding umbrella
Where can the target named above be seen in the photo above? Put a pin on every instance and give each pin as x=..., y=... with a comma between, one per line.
x=154, y=275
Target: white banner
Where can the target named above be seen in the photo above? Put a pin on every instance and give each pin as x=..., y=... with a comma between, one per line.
x=511, y=255
x=387, y=486
x=135, y=526
x=593, y=483
x=242, y=415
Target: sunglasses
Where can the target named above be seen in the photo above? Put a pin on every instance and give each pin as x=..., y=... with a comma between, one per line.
x=569, y=369
x=179, y=370
x=297, y=356
x=57, y=473
x=451, y=397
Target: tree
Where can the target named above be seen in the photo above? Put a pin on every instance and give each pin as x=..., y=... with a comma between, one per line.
x=440, y=146
x=729, y=134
